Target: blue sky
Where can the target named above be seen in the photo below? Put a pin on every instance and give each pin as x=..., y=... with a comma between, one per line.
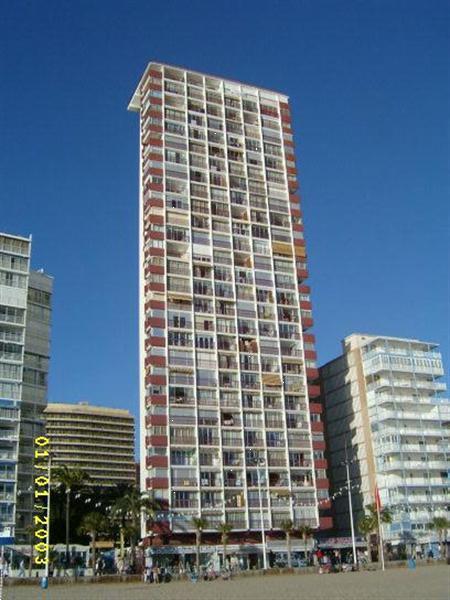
x=369, y=89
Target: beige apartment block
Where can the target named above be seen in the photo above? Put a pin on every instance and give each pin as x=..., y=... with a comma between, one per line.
x=98, y=440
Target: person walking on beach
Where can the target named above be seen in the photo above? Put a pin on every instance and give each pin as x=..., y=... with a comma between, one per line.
x=156, y=573
x=22, y=568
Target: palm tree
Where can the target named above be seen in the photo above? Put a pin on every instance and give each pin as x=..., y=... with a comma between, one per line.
x=127, y=512
x=306, y=532
x=365, y=527
x=200, y=524
x=441, y=525
x=69, y=479
x=93, y=524
x=288, y=527
x=368, y=524
x=224, y=529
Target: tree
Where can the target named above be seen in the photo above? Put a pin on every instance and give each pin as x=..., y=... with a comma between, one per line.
x=305, y=532
x=224, y=529
x=126, y=512
x=441, y=526
x=93, y=524
x=200, y=524
x=69, y=479
x=288, y=528
x=368, y=524
x=365, y=527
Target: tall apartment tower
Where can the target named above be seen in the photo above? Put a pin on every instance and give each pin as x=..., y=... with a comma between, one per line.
x=383, y=398
x=25, y=298
x=226, y=405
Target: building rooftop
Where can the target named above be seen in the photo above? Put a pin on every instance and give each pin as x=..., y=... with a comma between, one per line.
x=86, y=408
x=135, y=102
x=366, y=338
x=16, y=237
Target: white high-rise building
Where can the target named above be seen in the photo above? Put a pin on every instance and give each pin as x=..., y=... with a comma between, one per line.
x=384, y=399
x=25, y=298
x=227, y=401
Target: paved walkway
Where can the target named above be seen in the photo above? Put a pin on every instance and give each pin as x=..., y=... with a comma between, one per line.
x=426, y=583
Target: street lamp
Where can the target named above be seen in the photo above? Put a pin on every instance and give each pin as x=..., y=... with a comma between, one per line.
x=261, y=514
x=347, y=463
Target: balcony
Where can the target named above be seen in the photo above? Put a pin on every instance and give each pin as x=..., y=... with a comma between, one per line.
x=209, y=459
x=274, y=423
x=231, y=459
x=212, y=441
x=233, y=479
x=185, y=482
x=178, y=286
x=277, y=461
x=183, y=441
x=208, y=482
x=185, y=504
x=231, y=420
x=231, y=442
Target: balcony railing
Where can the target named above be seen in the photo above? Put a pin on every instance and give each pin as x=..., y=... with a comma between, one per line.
x=183, y=441
x=185, y=482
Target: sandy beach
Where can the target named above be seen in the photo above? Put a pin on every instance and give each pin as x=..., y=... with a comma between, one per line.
x=430, y=583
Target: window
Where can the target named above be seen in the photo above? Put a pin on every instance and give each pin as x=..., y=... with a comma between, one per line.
x=176, y=157
x=177, y=338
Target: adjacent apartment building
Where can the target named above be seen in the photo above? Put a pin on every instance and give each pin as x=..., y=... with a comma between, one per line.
x=383, y=398
x=95, y=439
x=25, y=314
x=230, y=419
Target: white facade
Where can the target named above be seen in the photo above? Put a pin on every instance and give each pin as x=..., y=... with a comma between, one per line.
x=224, y=394
x=24, y=355
x=383, y=396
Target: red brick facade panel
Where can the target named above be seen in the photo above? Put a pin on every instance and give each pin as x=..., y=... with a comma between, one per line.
x=157, y=379
x=156, y=187
x=157, y=252
x=156, y=361
x=314, y=392
x=157, y=400
x=156, y=420
x=322, y=484
x=312, y=374
x=160, y=483
x=156, y=322
x=157, y=440
x=155, y=203
x=157, y=461
x=326, y=523
x=318, y=445
x=307, y=323
x=316, y=426
x=302, y=274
